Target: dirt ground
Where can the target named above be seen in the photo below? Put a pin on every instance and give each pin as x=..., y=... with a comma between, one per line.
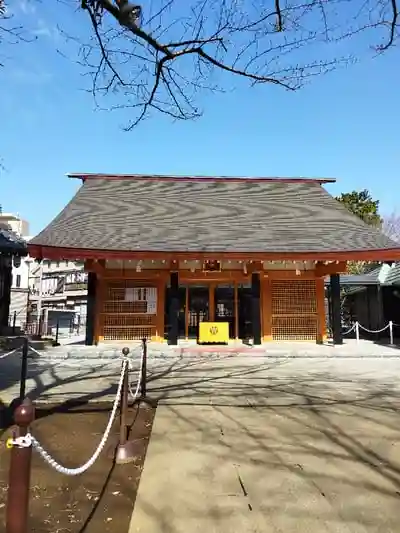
x=101, y=499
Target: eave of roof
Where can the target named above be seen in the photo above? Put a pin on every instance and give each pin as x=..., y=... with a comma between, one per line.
x=355, y=280
x=162, y=177
x=56, y=252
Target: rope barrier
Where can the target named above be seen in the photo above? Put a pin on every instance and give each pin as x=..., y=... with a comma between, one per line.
x=29, y=440
x=4, y=355
x=350, y=330
x=372, y=330
x=135, y=394
x=81, y=469
x=32, y=349
x=357, y=326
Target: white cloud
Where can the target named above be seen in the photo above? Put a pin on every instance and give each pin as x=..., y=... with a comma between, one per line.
x=43, y=29
x=27, y=7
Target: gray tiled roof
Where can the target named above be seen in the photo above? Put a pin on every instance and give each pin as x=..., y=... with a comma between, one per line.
x=393, y=277
x=357, y=279
x=11, y=243
x=207, y=216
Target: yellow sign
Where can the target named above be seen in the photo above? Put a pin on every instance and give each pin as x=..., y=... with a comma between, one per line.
x=217, y=332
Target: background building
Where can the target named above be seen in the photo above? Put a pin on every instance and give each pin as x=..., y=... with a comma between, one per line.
x=57, y=289
x=20, y=271
x=58, y=293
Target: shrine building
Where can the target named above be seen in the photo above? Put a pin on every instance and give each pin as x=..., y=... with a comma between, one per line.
x=165, y=253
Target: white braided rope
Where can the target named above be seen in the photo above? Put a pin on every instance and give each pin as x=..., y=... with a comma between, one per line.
x=32, y=349
x=81, y=469
x=4, y=355
x=350, y=330
x=139, y=381
x=373, y=331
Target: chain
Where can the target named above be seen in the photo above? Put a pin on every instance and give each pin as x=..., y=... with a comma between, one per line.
x=4, y=355
x=81, y=469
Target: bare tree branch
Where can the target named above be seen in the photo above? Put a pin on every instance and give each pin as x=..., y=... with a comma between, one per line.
x=393, y=25
x=163, y=54
x=391, y=226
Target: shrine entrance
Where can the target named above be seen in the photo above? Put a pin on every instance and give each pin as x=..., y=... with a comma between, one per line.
x=198, y=309
x=211, y=302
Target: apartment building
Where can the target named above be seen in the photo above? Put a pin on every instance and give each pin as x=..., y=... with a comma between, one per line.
x=58, y=291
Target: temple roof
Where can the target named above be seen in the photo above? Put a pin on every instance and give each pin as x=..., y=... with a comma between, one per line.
x=204, y=215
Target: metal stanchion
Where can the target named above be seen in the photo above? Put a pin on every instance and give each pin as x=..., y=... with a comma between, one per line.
x=125, y=451
x=14, y=322
x=24, y=369
x=143, y=383
x=56, y=343
x=20, y=472
x=391, y=332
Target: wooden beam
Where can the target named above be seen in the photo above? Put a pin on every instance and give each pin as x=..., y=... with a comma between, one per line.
x=186, y=312
x=288, y=274
x=160, y=326
x=320, y=303
x=331, y=268
x=223, y=276
x=120, y=274
x=98, y=267
x=337, y=332
x=211, y=302
x=236, y=310
x=91, y=308
x=99, y=316
x=266, y=291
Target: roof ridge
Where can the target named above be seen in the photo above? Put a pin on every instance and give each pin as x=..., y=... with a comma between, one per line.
x=198, y=178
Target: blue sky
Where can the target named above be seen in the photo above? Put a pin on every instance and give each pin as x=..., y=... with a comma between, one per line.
x=343, y=125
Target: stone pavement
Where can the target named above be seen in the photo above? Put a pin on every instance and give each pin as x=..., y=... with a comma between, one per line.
x=283, y=438
x=192, y=374
x=306, y=467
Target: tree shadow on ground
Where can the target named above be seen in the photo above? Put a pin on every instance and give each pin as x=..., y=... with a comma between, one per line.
x=333, y=436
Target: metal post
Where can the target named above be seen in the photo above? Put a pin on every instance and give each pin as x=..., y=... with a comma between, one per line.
x=357, y=332
x=19, y=474
x=27, y=317
x=391, y=331
x=124, y=404
x=14, y=322
x=143, y=377
x=125, y=451
x=57, y=331
x=24, y=369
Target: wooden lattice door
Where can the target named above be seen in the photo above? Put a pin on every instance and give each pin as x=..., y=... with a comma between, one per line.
x=294, y=310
